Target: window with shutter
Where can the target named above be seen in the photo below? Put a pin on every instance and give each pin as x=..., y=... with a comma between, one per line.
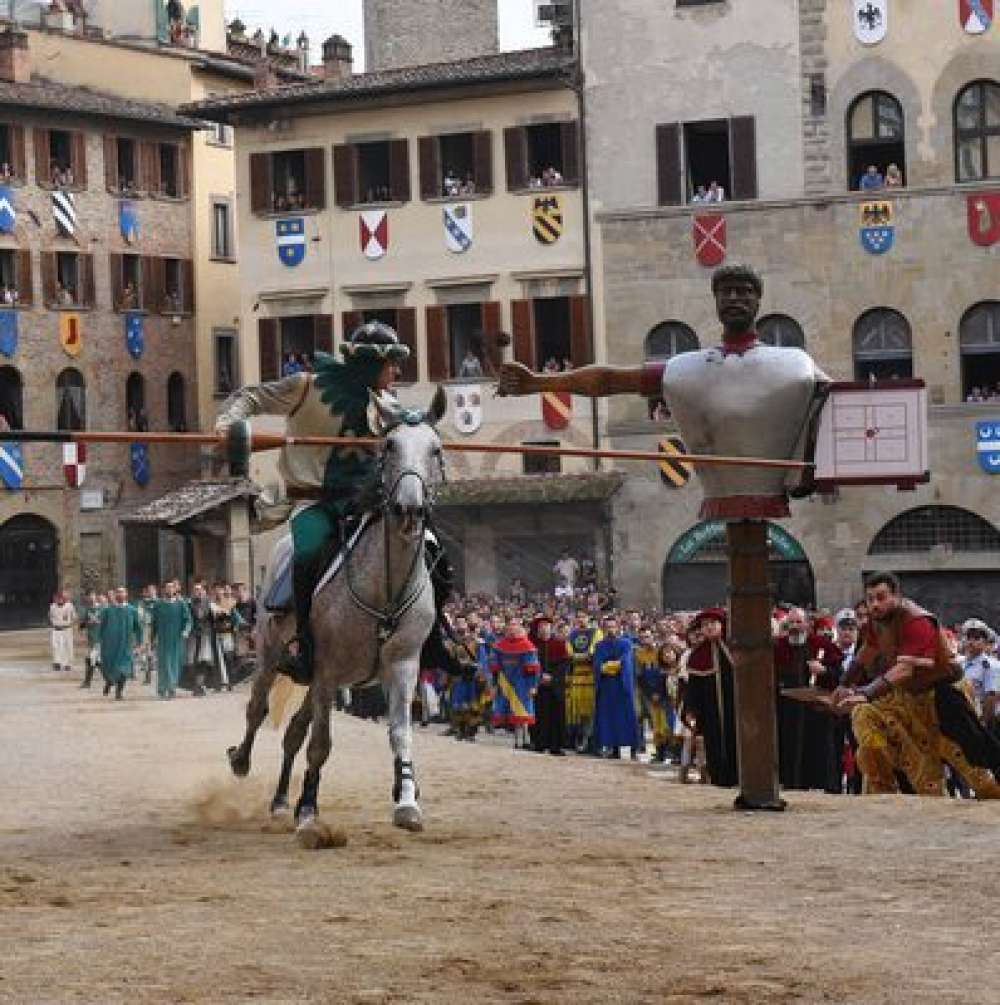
x=570, y=143
x=743, y=147
x=669, y=179
x=150, y=167
x=516, y=158
x=115, y=273
x=581, y=344
x=88, y=292
x=183, y=171
x=492, y=349
x=260, y=183
x=406, y=329
x=111, y=163
x=17, y=152
x=78, y=160
x=323, y=333
x=267, y=338
x=187, y=285
x=152, y=284
x=523, y=325
x=482, y=170
x=25, y=287
x=438, y=362
x=345, y=175
x=47, y=264
x=429, y=167
x=315, y=186
x=43, y=172
x=399, y=170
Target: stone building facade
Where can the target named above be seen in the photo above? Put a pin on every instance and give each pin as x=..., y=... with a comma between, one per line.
x=815, y=108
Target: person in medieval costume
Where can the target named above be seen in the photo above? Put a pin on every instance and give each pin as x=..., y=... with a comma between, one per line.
x=908, y=715
x=62, y=619
x=651, y=676
x=549, y=730
x=121, y=633
x=170, y=626
x=583, y=637
x=467, y=684
x=707, y=699
x=90, y=621
x=146, y=657
x=203, y=650
x=515, y=670
x=324, y=482
x=615, y=723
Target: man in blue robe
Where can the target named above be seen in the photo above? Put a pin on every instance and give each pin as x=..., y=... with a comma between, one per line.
x=614, y=687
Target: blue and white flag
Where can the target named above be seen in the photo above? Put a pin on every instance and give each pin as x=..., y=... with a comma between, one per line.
x=139, y=458
x=135, y=339
x=458, y=227
x=290, y=233
x=988, y=446
x=128, y=221
x=64, y=212
x=8, y=332
x=8, y=214
x=12, y=465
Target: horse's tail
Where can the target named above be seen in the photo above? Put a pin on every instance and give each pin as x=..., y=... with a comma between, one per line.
x=284, y=692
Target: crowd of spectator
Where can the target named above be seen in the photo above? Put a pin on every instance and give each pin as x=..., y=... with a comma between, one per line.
x=295, y=362
x=873, y=180
x=979, y=394
x=713, y=192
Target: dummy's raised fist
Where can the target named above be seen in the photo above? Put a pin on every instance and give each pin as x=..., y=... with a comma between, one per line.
x=515, y=379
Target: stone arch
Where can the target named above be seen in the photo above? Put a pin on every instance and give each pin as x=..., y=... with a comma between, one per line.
x=922, y=528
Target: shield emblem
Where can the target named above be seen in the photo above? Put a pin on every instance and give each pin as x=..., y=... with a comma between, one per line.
x=12, y=465
x=291, y=237
x=128, y=221
x=8, y=332
x=374, y=225
x=64, y=213
x=557, y=409
x=975, y=15
x=675, y=473
x=70, y=336
x=135, y=340
x=877, y=230
x=458, y=227
x=984, y=217
x=547, y=218
x=988, y=446
x=871, y=20
x=467, y=413
x=709, y=233
x=139, y=462
x=75, y=463
x=8, y=215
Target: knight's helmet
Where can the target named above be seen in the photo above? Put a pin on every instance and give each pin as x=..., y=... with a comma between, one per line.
x=374, y=340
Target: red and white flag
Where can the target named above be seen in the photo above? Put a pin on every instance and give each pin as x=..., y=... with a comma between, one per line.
x=75, y=463
x=374, y=233
x=976, y=15
x=983, y=210
x=709, y=233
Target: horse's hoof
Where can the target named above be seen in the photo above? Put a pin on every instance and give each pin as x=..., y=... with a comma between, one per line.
x=240, y=763
x=279, y=807
x=304, y=814
x=314, y=835
x=408, y=817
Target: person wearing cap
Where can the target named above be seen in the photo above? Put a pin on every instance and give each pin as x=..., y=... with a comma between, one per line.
x=846, y=637
x=981, y=670
x=321, y=482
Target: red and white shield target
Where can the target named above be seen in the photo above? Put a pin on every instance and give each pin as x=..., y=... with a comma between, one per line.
x=75, y=463
x=374, y=227
x=709, y=233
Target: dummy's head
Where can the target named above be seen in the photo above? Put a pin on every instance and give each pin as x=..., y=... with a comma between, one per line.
x=737, y=290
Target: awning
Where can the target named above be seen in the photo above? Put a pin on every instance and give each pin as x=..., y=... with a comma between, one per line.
x=596, y=486
x=191, y=500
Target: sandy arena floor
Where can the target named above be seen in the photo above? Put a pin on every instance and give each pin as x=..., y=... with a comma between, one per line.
x=132, y=869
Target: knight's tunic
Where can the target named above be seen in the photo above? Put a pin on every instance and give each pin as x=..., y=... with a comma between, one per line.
x=580, y=685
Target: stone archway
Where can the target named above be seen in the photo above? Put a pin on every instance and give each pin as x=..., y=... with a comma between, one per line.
x=29, y=563
x=696, y=572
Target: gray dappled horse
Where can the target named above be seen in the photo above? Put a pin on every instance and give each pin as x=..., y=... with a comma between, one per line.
x=369, y=619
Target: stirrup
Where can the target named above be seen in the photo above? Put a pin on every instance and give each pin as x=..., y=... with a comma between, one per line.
x=298, y=664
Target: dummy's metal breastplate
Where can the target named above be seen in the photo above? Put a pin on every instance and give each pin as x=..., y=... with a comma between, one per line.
x=751, y=404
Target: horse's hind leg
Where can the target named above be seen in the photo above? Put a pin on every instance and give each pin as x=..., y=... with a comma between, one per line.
x=406, y=810
x=307, y=808
x=239, y=757
x=295, y=736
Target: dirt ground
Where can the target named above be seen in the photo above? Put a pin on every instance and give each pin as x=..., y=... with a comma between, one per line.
x=133, y=869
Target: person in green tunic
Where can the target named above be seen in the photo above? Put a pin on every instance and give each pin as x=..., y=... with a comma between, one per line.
x=90, y=621
x=170, y=624
x=121, y=632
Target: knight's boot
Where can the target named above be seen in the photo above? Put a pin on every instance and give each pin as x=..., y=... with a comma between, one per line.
x=299, y=664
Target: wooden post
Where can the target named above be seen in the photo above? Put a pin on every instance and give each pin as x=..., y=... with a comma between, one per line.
x=753, y=667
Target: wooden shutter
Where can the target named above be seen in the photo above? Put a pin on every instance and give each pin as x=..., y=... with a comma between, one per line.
x=187, y=285
x=399, y=170
x=482, y=161
x=88, y=297
x=315, y=193
x=345, y=175
x=743, y=156
x=111, y=163
x=17, y=151
x=43, y=173
x=669, y=179
x=260, y=183
x=25, y=290
x=149, y=167
x=269, y=350
x=406, y=329
x=438, y=350
x=515, y=143
x=581, y=346
x=429, y=157
x=570, y=136
x=47, y=264
x=117, y=287
x=183, y=172
x=350, y=320
x=152, y=284
x=323, y=333
x=78, y=145
x=493, y=354
x=522, y=317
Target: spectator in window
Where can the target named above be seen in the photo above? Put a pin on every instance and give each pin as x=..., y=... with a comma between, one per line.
x=471, y=366
x=128, y=296
x=451, y=183
x=700, y=194
x=871, y=180
x=469, y=185
x=975, y=395
x=305, y=363
x=567, y=364
x=893, y=177
x=551, y=365
x=716, y=193
x=291, y=365
x=6, y=172
x=551, y=176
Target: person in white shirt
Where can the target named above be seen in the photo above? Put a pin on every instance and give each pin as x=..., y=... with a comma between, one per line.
x=62, y=618
x=566, y=570
x=981, y=669
x=716, y=193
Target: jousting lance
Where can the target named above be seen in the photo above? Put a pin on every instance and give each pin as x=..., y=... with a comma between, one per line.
x=258, y=442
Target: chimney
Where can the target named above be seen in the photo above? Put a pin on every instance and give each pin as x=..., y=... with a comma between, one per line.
x=302, y=48
x=15, y=61
x=338, y=58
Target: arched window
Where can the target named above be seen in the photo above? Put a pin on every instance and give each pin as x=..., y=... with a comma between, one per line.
x=919, y=530
x=176, y=409
x=781, y=330
x=669, y=338
x=11, y=397
x=979, y=342
x=875, y=138
x=883, y=348
x=71, y=400
x=977, y=131
x=135, y=403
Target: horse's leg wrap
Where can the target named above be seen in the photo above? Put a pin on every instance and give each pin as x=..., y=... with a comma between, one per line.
x=405, y=777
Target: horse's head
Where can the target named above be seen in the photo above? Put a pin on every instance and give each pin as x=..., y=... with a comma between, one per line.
x=411, y=462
